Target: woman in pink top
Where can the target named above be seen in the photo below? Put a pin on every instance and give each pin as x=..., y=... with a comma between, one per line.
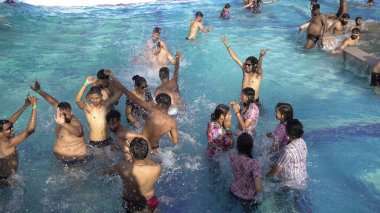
x=219, y=135
x=249, y=115
x=246, y=170
x=284, y=113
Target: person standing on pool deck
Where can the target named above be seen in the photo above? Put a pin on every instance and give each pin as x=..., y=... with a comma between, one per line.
x=252, y=69
x=96, y=111
x=139, y=178
x=158, y=122
x=196, y=25
x=317, y=26
x=291, y=164
x=70, y=145
x=168, y=86
x=9, y=142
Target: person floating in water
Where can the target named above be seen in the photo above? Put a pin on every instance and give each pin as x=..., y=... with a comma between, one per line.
x=317, y=27
x=219, y=134
x=246, y=170
x=252, y=69
x=249, y=115
x=225, y=13
x=134, y=112
x=156, y=37
x=158, y=122
x=139, y=177
x=375, y=78
x=196, y=25
x=339, y=27
x=9, y=141
x=343, y=7
x=284, y=113
x=351, y=41
x=170, y=87
x=96, y=111
x=291, y=164
x=70, y=145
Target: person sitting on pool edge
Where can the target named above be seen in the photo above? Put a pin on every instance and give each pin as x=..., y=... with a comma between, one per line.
x=351, y=41
x=9, y=141
x=69, y=145
x=139, y=178
x=196, y=25
x=252, y=69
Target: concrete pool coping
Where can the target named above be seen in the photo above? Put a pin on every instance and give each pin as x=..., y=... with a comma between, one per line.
x=362, y=57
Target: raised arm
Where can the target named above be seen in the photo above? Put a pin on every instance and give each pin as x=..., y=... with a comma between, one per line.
x=17, y=114
x=74, y=127
x=31, y=126
x=78, y=98
x=50, y=99
x=232, y=53
x=260, y=63
x=178, y=57
x=132, y=97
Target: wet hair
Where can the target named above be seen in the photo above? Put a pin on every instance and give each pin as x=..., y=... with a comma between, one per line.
x=164, y=73
x=294, y=129
x=221, y=109
x=370, y=1
x=346, y=15
x=157, y=30
x=64, y=106
x=316, y=6
x=101, y=75
x=244, y=144
x=139, y=148
x=138, y=80
x=250, y=93
x=286, y=110
x=357, y=18
x=2, y=122
x=355, y=30
x=95, y=90
x=252, y=59
x=198, y=14
x=227, y=6
x=113, y=114
x=163, y=100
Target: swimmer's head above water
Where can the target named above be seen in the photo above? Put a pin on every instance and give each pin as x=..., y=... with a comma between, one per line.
x=113, y=120
x=140, y=84
x=244, y=144
x=355, y=33
x=345, y=18
x=156, y=34
x=164, y=73
x=220, y=113
x=139, y=148
x=247, y=96
x=284, y=112
x=6, y=129
x=358, y=21
x=164, y=101
x=370, y=3
x=251, y=64
x=103, y=79
x=64, y=109
x=95, y=95
x=199, y=16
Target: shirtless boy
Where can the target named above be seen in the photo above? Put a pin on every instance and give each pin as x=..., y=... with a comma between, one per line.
x=168, y=86
x=70, y=145
x=139, y=178
x=196, y=25
x=96, y=111
x=252, y=69
x=317, y=27
x=158, y=123
x=9, y=142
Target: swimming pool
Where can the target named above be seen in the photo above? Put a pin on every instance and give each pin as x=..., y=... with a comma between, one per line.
x=60, y=46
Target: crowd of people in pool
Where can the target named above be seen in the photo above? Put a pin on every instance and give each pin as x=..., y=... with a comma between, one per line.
x=153, y=115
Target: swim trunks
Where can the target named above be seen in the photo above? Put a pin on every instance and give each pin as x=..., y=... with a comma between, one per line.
x=152, y=202
x=77, y=161
x=375, y=79
x=138, y=205
x=100, y=144
x=313, y=38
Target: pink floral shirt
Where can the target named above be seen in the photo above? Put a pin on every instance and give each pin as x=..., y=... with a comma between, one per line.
x=280, y=136
x=252, y=114
x=245, y=171
x=218, y=138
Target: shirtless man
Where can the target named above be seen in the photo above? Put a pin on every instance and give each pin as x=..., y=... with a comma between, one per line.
x=358, y=25
x=122, y=136
x=139, y=178
x=107, y=86
x=304, y=26
x=150, y=43
x=170, y=87
x=316, y=29
x=9, y=142
x=196, y=25
x=343, y=7
x=252, y=69
x=158, y=123
x=96, y=111
x=70, y=145
x=160, y=56
x=350, y=41
x=339, y=27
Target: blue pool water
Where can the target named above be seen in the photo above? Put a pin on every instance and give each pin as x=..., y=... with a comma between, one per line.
x=60, y=46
